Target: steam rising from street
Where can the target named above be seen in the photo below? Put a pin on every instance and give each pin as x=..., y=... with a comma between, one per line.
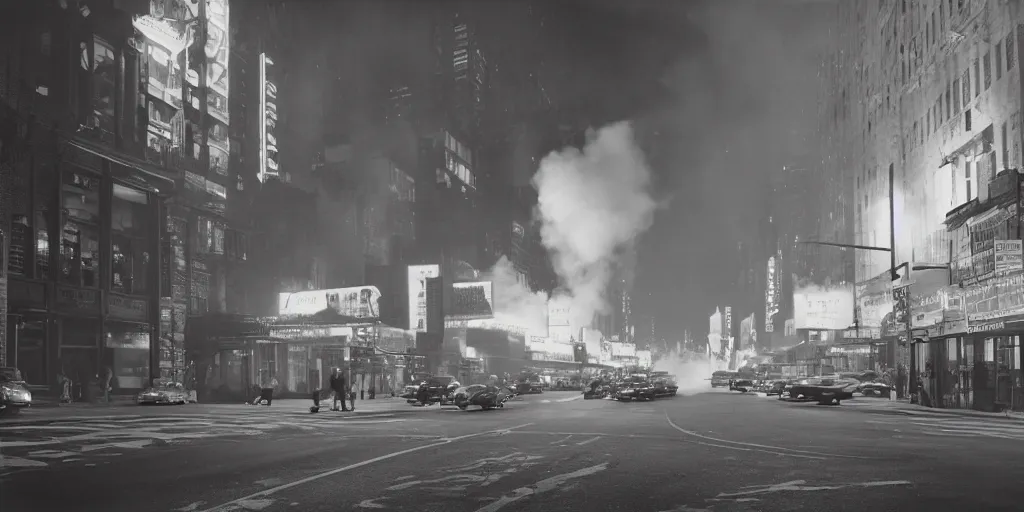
x=592, y=203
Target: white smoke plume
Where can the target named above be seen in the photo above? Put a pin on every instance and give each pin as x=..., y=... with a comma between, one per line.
x=591, y=205
x=514, y=303
x=692, y=370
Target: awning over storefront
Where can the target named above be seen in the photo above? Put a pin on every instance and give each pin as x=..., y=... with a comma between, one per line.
x=128, y=169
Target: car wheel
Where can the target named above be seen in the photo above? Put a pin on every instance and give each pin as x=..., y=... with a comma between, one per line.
x=462, y=407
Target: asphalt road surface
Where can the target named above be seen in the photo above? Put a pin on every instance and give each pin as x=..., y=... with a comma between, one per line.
x=709, y=452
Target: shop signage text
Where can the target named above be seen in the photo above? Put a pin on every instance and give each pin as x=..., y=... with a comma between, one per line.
x=995, y=326
x=127, y=308
x=77, y=299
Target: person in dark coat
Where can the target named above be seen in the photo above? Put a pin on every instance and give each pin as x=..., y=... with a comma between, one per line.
x=338, y=387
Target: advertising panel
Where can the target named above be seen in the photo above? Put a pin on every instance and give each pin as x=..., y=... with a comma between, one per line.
x=620, y=349
x=747, y=332
x=715, y=334
x=772, y=295
x=471, y=301
x=267, y=121
x=357, y=302
x=1008, y=256
x=559, y=327
x=218, y=85
x=823, y=308
x=927, y=296
x=417, y=286
x=994, y=299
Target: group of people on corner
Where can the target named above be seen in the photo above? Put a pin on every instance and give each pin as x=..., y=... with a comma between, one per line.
x=337, y=387
x=90, y=388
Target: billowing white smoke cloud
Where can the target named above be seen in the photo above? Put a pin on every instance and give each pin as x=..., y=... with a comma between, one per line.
x=591, y=205
x=515, y=303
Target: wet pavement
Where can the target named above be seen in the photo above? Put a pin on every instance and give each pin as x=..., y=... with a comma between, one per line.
x=715, y=451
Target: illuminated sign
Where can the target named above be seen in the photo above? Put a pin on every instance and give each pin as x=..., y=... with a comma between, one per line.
x=771, y=296
x=268, y=122
x=823, y=308
x=471, y=301
x=417, y=285
x=218, y=85
x=358, y=302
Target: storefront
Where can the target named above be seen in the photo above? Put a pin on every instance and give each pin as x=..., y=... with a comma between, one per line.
x=82, y=266
x=978, y=363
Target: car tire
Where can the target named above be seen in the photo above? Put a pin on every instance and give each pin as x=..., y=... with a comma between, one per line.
x=462, y=407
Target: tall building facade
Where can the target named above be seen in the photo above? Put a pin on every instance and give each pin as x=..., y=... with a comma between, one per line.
x=941, y=107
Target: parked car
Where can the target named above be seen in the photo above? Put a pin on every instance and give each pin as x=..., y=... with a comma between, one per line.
x=14, y=395
x=720, y=379
x=824, y=390
x=741, y=384
x=480, y=395
x=634, y=388
x=163, y=393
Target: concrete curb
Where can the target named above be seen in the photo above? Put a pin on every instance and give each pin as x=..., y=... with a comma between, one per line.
x=906, y=409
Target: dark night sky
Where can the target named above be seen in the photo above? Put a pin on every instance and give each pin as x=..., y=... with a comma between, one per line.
x=730, y=86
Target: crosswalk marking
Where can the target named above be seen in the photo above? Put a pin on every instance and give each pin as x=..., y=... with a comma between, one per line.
x=960, y=427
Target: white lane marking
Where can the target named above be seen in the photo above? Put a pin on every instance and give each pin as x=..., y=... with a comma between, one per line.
x=191, y=507
x=562, y=440
x=51, y=454
x=548, y=484
x=140, y=443
x=799, y=485
x=570, y=399
x=687, y=508
x=545, y=401
x=789, y=452
x=370, y=503
x=588, y=441
x=325, y=474
x=9, y=461
x=50, y=427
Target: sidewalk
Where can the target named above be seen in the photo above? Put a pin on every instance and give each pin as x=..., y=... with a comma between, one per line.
x=122, y=408
x=882, y=405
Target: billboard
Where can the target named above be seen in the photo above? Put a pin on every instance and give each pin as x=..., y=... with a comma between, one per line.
x=218, y=87
x=268, y=122
x=715, y=334
x=559, y=327
x=471, y=301
x=359, y=302
x=823, y=308
x=748, y=334
x=771, y=295
x=417, y=276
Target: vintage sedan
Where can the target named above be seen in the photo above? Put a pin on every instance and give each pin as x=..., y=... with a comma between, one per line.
x=824, y=390
x=14, y=396
x=163, y=394
x=635, y=388
x=482, y=396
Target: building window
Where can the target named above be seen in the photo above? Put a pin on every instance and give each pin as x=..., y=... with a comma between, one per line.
x=977, y=78
x=956, y=96
x=79, y=240
x=104, y=68
x=1010, y=52
x=1006, y=148
x=966, y=81
x=130, y=229
x=999, y=60
x=987, y=67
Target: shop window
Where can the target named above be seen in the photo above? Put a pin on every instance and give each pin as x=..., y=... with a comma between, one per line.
x=104, y=68
x=126, y=353
x=80, y=197
x=1009, y=353
x=79, y=254
x=18, y=246
x=129, y=240
x=44, y=221
x=32, y=351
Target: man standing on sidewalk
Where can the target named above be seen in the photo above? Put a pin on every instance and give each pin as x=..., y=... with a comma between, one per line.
x=338, y=387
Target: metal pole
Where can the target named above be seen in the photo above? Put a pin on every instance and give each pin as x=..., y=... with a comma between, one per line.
x=892, y=219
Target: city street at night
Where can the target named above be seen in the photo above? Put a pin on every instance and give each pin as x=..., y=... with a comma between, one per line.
x=713, y=451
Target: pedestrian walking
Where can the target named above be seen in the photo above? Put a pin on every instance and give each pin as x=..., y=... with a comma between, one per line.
x=105, y=381
x=337, y=384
